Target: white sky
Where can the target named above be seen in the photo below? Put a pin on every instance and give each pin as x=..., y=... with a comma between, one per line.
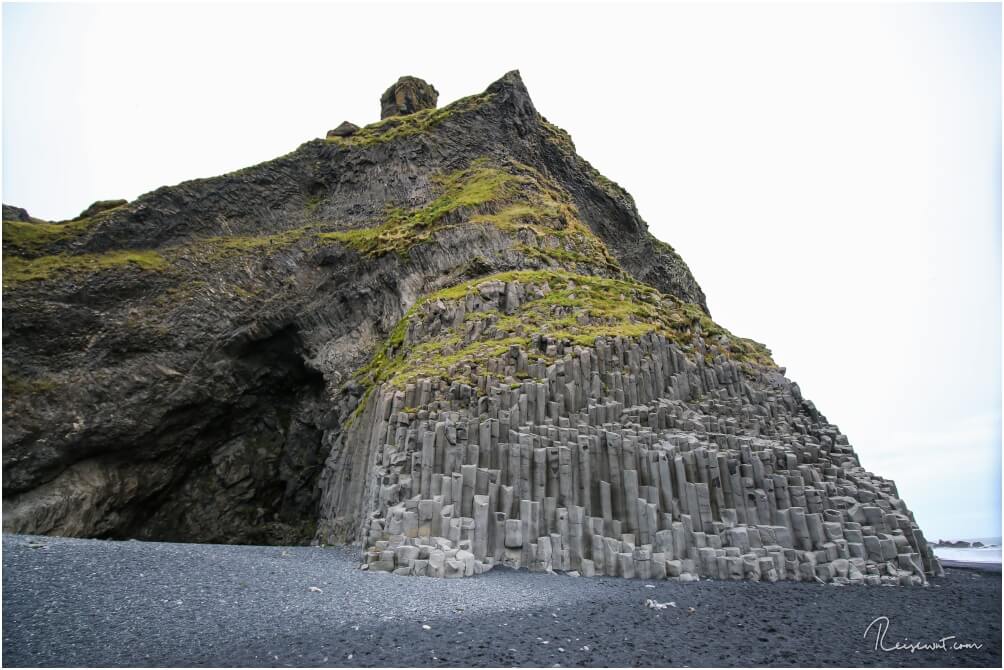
x=830, y=173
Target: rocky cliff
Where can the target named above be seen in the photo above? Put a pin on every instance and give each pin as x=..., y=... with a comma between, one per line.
x=444, y=335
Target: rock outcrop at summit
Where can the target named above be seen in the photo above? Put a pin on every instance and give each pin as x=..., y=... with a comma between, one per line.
x=406, y=96
x=344, y=129
x=443, y=335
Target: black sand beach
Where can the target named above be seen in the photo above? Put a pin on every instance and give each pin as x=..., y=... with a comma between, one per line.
x=95, y=603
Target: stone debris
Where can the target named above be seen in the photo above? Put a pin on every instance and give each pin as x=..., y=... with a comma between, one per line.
x=629, y=458
x=652, y=604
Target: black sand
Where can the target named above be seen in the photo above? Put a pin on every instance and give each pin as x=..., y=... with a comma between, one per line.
x=91, y=603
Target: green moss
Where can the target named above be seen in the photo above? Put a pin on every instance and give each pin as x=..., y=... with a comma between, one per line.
x=562, y=256
x=242, y=292
x=486, y=315
x=313, y=202
x=18, y=386
x=217, y=248
x=35, y=236
x=664, y=247
x=576, y=309
x=357, y=412
x=378, y=366
x=395, y=127
x=209, y=250
x=608, y=186
x=468, y=189
x=559, y=137
x=740, y=348
x=101, y=206
x=17, y=269
x=176, y=296
x=23, y=237
x=514, y=198
x=581, y=308
x=431, y=361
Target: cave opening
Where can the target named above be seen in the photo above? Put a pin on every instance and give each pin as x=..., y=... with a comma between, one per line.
x=248, y=473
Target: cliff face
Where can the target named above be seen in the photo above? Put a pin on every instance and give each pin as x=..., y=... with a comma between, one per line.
x=174, y=367
x=262, y=357
x=553, y=420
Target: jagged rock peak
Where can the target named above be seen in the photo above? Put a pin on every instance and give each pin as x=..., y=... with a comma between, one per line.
x=511, y=81
x=406, y=96
x=511, y=89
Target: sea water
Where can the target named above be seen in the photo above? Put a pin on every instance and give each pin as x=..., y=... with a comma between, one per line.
x=989, y=553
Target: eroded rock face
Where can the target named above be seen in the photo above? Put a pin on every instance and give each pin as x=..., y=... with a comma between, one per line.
x=406, y=96
x=365, y=338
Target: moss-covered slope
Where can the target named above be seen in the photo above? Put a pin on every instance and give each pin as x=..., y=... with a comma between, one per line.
x=548, y=305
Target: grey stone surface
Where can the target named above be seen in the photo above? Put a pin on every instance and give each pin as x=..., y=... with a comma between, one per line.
x=796, y=483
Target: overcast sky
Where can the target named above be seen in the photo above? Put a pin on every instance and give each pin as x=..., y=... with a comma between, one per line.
x=831, y=174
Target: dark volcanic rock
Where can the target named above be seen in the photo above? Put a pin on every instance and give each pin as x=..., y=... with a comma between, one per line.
x=406, y=96
x=11, y=213
x=101, y=206
x=344, y=129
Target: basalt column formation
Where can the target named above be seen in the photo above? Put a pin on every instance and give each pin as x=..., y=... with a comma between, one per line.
x=598, y=453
